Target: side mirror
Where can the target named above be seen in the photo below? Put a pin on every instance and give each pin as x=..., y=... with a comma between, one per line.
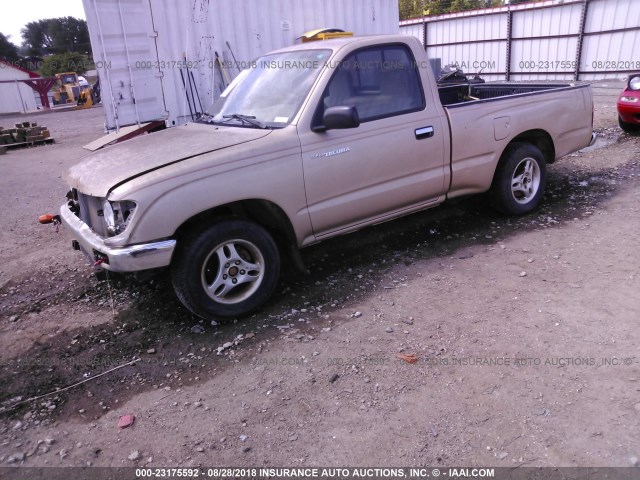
x=340, y=118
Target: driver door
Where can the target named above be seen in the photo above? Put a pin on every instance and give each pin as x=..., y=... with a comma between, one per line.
x=393, y=162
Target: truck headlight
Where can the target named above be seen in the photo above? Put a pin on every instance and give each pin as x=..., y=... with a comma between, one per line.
x=117, y=215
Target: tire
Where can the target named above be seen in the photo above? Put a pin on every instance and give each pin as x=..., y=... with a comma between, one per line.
x=519, y=181
x=226, y=270
x=628, y=127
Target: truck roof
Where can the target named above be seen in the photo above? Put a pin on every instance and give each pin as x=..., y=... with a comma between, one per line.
x=336, y=44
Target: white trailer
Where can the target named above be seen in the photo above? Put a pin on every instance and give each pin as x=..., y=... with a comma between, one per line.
x=169, y=60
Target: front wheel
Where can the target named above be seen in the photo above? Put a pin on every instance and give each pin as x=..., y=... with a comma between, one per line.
x=520, y=179
x=226, y=270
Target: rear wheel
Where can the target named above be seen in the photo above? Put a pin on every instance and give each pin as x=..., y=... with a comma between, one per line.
x=520, y=179
x=628, y=127
x=226, y=270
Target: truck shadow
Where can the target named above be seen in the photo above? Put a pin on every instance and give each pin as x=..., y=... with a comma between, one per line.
x=177, y=349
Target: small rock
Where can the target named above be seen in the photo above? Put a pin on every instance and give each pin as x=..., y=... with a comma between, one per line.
x=20, y=456
x=636, y=406
x=389, y=330
x=151, y=351
x=197, y=404
x=243, y=438
x=49, y=441
x=133, y=456
x=197, y=329
x=293, y=437
x=502, y=455
x=13, y=318
x=27, y=415
x=523, y=274
x=200, y=449
x=333, y=378
x=246, y=449
x=408, y=321
x=227, y=345
x=633, y=461
x=17, y=426
x=126, y=421
x=64, y=453
x=357, y=314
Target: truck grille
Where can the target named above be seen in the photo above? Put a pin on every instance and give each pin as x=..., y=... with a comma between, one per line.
x=90, y=212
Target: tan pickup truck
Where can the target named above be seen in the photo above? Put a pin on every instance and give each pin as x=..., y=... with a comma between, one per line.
x=313, y=141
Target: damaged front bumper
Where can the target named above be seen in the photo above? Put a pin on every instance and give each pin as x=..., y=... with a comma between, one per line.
x=133, y=258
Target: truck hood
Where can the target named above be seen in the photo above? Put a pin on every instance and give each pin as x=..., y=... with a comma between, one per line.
x=100, y=172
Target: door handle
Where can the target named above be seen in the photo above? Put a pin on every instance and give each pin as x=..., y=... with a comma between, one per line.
x=425, y=132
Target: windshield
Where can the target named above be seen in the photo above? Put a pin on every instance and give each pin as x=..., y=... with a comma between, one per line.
x=270, y=93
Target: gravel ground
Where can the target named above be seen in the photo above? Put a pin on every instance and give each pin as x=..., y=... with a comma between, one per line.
x=451, y=337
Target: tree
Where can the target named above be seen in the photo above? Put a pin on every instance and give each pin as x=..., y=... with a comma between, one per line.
x=436, y=7
x=410, y=9
x=8, y=51
x=36, y=38
x=462, y=5
x=64, y=62
x=56, y=35
x=414, y=8
x=69, y=34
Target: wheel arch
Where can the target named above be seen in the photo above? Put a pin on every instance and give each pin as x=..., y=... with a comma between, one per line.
x=265, y=213
x=538, y=138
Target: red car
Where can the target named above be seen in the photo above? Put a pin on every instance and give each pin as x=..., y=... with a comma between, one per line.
x=629, y=105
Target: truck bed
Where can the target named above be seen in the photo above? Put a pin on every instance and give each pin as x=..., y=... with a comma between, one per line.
x=451, y=95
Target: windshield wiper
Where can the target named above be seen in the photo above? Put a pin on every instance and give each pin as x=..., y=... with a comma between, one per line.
x=245, y=119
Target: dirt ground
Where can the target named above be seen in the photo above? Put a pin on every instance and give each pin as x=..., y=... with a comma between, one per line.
x=525, y=332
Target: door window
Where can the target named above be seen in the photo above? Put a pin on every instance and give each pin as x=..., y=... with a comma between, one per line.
x=380, y=82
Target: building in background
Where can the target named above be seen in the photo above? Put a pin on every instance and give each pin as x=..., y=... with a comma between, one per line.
x=16, y=96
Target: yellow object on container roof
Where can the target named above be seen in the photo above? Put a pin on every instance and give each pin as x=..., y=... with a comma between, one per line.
x=324, y=34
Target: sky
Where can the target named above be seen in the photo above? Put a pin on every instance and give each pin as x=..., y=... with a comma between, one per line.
x=17, y=13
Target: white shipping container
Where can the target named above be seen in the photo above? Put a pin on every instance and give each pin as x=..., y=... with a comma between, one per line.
x=170, y=59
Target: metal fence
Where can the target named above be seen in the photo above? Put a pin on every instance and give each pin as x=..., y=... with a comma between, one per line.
x=549, y=40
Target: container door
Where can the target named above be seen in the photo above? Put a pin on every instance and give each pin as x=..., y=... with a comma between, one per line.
x=124, y=48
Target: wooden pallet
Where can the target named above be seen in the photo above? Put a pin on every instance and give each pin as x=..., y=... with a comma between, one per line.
x=24, y=134
x=32, y=143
